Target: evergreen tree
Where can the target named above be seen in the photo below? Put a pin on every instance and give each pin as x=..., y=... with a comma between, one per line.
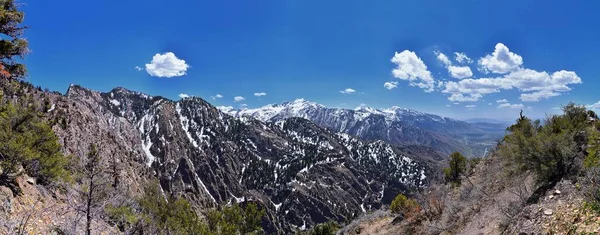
x=458, y=167
x=12, y=45
x=94, y=185
x=28, y=145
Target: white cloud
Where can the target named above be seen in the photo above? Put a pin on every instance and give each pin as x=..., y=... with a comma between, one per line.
x=464, y=98
x=459, y=72
x=138, y=68
x=243, y=105
x=538, y=95
x=412, y=69
x=470, y=106
x=595, y=106
x=443, y=58
x=501, y=61
x=447, y=105
x=238, y=98
x=502, y=101
x=259, y=94
x=536, y=85
x=390, y=85
x=506, y=65
x=217, y=96
x=166, y=65
x=489, y=103
x=348, y=91
x=183, y=95
x=511, y=106
x=461, y=57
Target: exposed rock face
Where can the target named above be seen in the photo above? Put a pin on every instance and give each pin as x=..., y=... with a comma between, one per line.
x=302, y=173
x=399, y=126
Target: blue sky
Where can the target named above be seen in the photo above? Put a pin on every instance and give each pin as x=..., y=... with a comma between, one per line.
x=316, y=49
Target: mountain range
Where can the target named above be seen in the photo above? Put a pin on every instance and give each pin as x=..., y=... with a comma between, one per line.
x=395, y=125
x=301, y=173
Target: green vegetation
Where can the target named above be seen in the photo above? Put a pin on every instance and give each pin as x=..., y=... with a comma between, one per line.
x=549, y=150
x=234, y=219
x=328, y=228
x=403, y=205
x=153, y=214
x=457, y=167
x=593, y=157
x=12, y=45
x=28, y=145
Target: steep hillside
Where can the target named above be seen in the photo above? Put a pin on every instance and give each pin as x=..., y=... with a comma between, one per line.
x=395, y=125
x=301, y=173
x=542, y=179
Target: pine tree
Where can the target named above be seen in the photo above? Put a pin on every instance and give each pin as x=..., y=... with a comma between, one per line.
x=12, y=45
x=28, y=145
x=94, y=185
x=457, y=167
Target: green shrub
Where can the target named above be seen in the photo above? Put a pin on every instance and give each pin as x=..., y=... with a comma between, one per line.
x=122, y=216
x=27, y=141
x=403, y=205
x=457, y=167
x=173, y=216
x=328, y=228
x=549, y=150
x=236, y=220
x=156, y=215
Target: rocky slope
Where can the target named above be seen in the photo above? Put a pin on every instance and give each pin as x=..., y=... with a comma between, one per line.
x=302, y=173
x=399, y=126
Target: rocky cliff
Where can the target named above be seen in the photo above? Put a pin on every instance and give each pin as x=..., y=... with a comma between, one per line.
x=302, y=173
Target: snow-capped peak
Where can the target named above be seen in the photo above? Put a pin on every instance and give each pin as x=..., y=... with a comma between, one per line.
x=225, y=109
x=367, y=109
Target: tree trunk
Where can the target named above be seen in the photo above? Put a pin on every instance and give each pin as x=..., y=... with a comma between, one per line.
x=88, y=214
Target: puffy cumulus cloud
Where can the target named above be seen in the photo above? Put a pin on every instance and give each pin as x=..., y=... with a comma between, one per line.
x=502, y=101
x=348, y=91
x=238, y=98
x=511, y=106
x=166, y=65
x=461, y=57
x=459, y=72
x=183, y=95
x=501, y=61
x=535, y=85
x=507, y=67
x=259, y=94
x=138, y=68
x=471, y=106
x=410, y=67
x=217, y=96
x=390, y=85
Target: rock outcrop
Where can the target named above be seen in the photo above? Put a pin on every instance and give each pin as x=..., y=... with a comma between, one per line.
x=302, y=173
